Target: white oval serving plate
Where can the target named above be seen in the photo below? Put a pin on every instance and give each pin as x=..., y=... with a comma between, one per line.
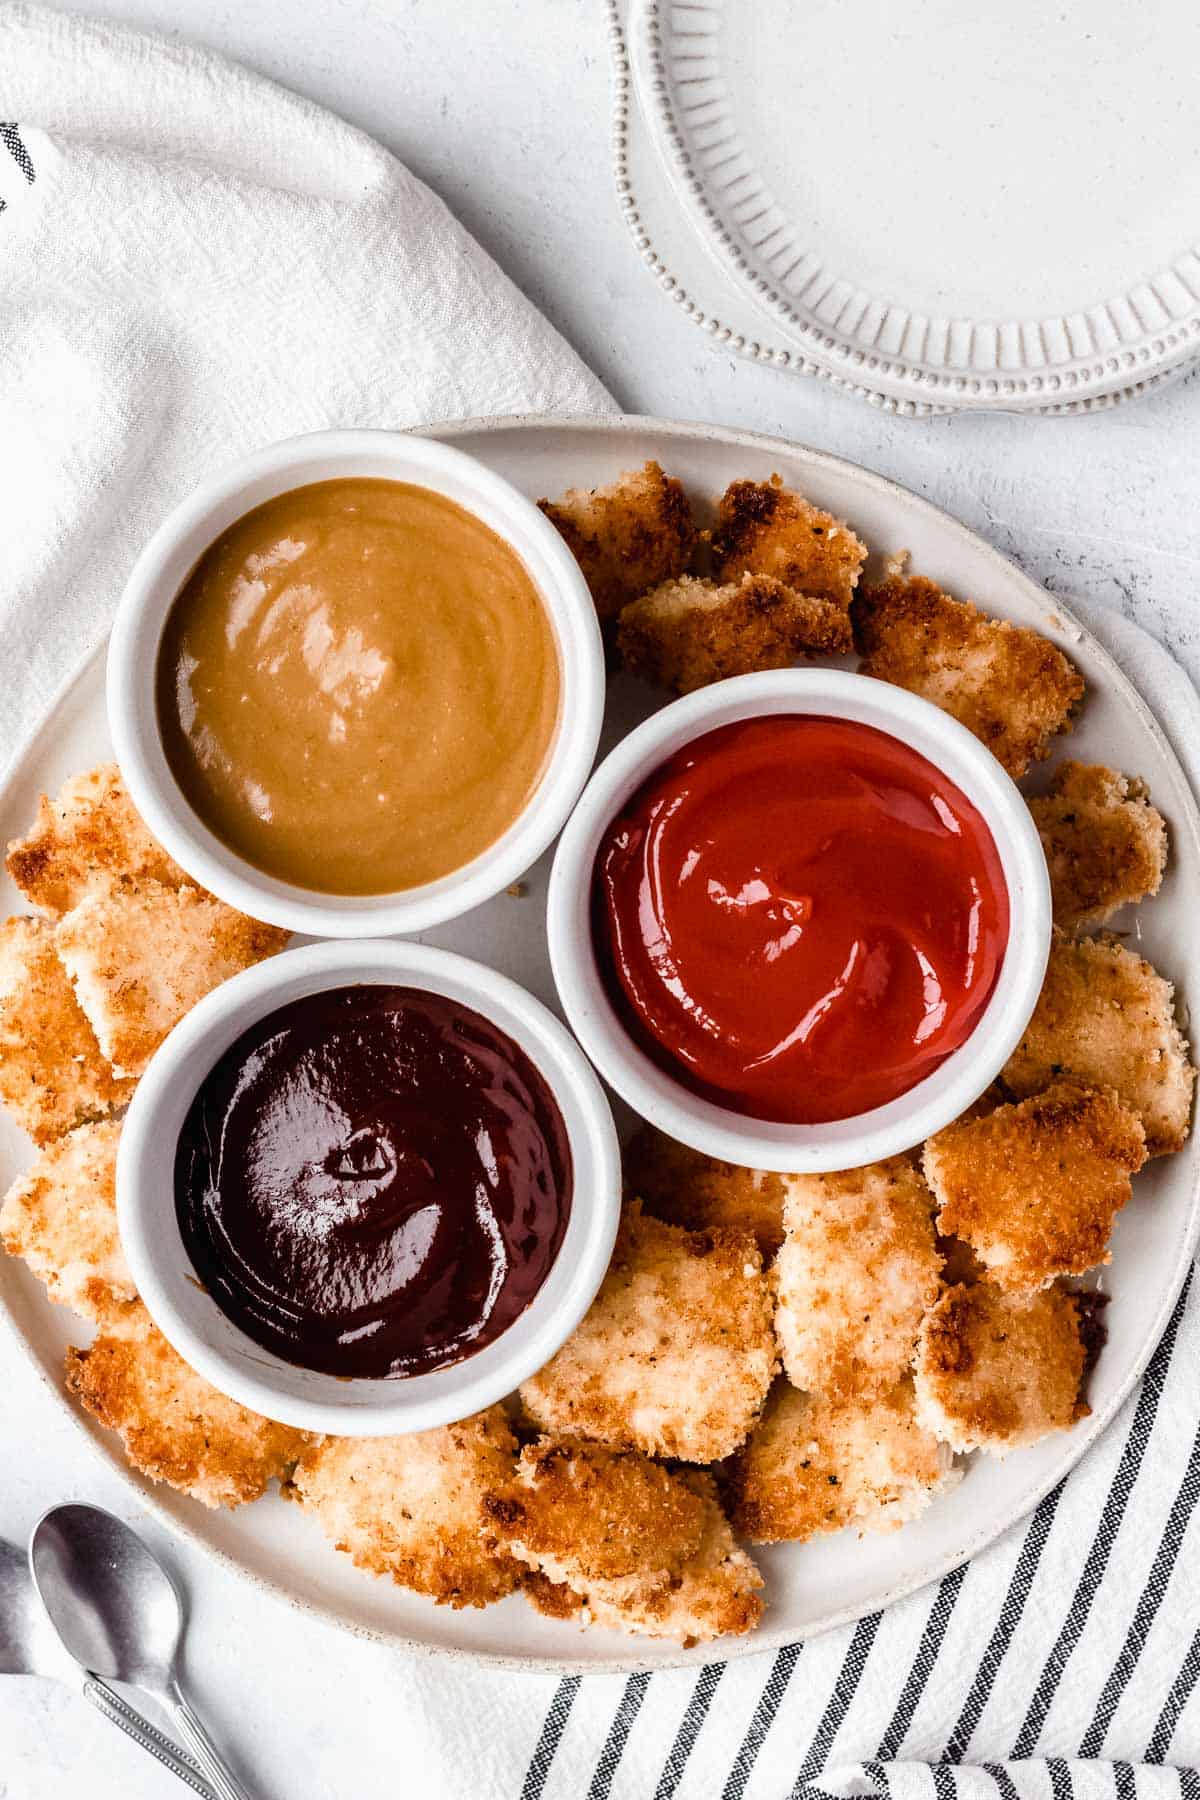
x=814, y=1586
x=967, y=208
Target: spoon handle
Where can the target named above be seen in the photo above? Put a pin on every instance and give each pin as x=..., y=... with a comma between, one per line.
x=159, y=1745
x=220, y=1778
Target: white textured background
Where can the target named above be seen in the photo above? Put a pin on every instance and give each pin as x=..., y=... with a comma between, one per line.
x=502, y=106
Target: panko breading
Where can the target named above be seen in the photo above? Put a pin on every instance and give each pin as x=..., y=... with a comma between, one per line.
x=676, y=1354
x=175, y=1426
x=52, y=1073
x=764, y=528
x=627, y=537
x=857, y=1269
x=61, y=1216
x=814, y=1465
x=410, y=1507
x=995, y=1371
x=1106, y=1017
x=1007, y=684
x=618, y=1539
x=141, y=955
x=1105, y=845
x=89, y=833
x=690, y=632
x=1034, y=1188
x=685, y=1187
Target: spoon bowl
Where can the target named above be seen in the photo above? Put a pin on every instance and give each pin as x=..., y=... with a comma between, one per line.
x=118, y=1613
x=29, y=1645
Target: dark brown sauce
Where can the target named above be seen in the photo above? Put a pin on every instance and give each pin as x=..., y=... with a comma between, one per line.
x=373, y=1181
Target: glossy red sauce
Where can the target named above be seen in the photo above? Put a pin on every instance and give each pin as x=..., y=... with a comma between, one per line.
x=799, y=918
x=373, y=1181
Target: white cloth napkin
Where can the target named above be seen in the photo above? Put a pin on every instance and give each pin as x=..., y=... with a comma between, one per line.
x=192, y=262
x=201, y=263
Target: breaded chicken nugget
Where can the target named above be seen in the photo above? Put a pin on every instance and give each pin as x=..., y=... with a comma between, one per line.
x=409, y=1507
x=175, y=1426
x=88, y=834
x=1106, y=1017
x=1007, y=684
x=140, y=955
x=995, y=1371
x=619, y=1540
x=676, y=1354
x=688, y=1188
x=627, y=537
x=857, y=1269
x=815, y=1465
x=1034, y=1188
x=1105, y=845
x=52, y=1074
x=61, y=1216
x=764, y=528
x=690, y=632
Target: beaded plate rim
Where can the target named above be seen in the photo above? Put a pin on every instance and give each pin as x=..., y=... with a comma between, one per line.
x=903, y=388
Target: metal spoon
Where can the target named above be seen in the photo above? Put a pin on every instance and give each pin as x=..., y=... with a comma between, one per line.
x=29, y=1645
x=116, y=1610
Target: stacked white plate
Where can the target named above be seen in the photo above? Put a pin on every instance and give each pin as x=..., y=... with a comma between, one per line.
x=940, y=206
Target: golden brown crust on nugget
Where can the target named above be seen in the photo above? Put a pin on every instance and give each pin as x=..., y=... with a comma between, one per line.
x=677, y=1352
x=857, y=1269
x=626, y=537
x=764, y=528
x=995, y=1371
x=690, y=632
x=409, y=1507
x=583, y=1512
x=1105, y=845
x=52, y=1073
x=685, y=1187
x=140, y=955
x=624, y=1542
x=175, y=1426
x=815, y=1465
x=1034, y=1188
x=1106, y=1017
x=61, y=1216
x=1007, y=684
x=88, y=833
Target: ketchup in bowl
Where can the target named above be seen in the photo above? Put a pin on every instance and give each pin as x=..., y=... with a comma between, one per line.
x=799, y=918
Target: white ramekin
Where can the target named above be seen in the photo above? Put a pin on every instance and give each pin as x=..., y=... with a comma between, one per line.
x=942, y=1095
x=168, y=559
x=192, y=1321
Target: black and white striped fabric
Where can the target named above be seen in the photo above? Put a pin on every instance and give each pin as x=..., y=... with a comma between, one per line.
x=16, y=165
x=1063, y=1664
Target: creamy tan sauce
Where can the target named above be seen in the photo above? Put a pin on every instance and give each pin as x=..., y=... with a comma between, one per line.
x=358, y=686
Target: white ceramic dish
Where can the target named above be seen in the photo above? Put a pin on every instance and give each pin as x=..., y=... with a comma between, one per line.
x=949, y=1089
x=1026, y=250
x=810, y=1587
x=205, y=1337
x=169, y=558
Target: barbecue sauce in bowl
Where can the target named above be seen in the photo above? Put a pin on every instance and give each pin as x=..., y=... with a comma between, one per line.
x=373, y=1181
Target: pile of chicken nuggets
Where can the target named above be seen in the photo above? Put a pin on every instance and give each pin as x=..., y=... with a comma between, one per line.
x=770, y=1357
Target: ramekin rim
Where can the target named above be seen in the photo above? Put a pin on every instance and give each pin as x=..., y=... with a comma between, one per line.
x=158, y=1258
x=649, y=1089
